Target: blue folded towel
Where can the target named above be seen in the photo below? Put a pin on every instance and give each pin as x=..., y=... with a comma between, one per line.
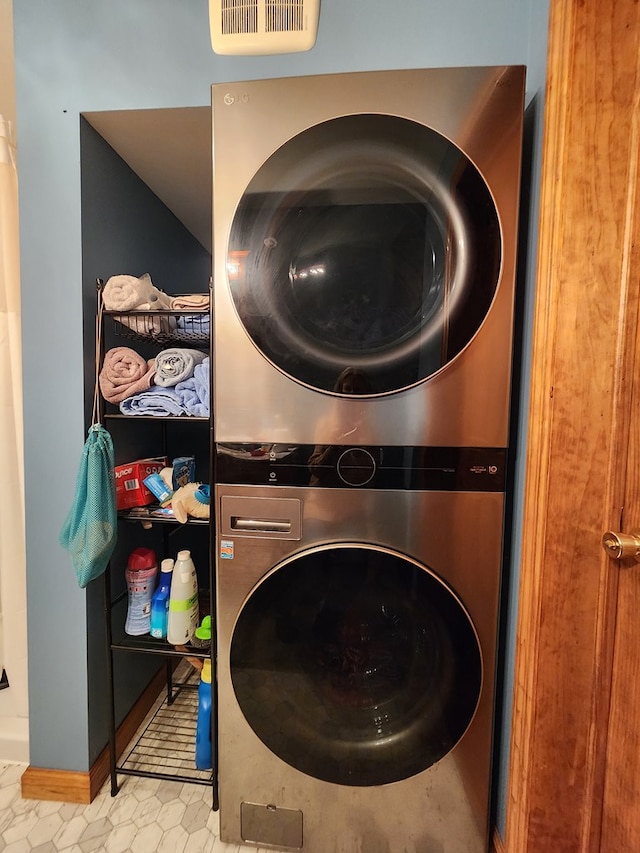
x=157, y=401
x=189, y=399
x=175, y=364
x=196, y=324
x=194, y=392
x=201, y=378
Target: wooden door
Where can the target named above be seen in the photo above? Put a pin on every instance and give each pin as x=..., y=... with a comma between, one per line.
x=575, y=759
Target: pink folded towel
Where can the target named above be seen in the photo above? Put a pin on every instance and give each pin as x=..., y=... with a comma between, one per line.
x=125, y=373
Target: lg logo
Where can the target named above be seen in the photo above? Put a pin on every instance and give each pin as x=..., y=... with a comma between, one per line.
x=230, y=99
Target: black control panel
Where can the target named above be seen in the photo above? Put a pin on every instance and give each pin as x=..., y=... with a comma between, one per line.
x=473, y=469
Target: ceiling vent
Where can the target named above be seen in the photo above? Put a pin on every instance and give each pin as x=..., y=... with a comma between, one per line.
x=254, y=27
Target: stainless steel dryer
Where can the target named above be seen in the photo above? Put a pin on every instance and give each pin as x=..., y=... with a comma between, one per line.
x=364, y=256
x=356, y=647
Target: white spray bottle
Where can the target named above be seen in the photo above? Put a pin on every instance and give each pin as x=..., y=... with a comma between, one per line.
x=183, y=601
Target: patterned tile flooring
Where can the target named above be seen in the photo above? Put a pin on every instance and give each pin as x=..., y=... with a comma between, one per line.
x=146, y=815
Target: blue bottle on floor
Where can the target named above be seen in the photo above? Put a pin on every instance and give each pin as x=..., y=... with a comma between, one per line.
x=204, y=759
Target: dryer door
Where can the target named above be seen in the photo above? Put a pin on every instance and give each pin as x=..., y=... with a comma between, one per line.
x=364, y=255
x=356, y=665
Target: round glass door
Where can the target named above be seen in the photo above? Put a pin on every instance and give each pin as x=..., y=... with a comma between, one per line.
x=356, y=665
x=366, y=247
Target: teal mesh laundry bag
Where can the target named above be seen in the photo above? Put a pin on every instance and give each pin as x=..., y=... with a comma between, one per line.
x=89, y=532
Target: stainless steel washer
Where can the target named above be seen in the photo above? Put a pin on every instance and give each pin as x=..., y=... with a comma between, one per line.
x=364, y=266
x=356, y=650
x=364, y=256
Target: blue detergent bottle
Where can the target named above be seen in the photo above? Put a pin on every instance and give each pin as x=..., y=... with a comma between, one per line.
x=204, y=760
x=160, y=601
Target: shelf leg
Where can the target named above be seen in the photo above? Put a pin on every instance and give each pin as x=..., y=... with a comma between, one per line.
x=169, y=674
x=110, y=685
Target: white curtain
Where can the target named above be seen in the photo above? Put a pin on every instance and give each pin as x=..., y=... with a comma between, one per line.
x=12, y=538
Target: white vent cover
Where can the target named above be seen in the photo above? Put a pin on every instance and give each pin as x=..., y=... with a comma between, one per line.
x=263, y=26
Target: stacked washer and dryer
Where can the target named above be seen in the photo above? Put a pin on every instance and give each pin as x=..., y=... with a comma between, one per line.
x=364, y=264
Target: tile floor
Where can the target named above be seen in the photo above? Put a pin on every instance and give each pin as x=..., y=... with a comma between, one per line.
x=146, y=815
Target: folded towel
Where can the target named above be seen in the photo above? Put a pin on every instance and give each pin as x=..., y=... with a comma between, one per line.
x=190, y=300
x=189, y=399
x=128, y=293
x=194, y=392
x=124, y=373
x=202, y=384
x=157, y=401
x=174, y=365
x=154, y=325
x=194, y=324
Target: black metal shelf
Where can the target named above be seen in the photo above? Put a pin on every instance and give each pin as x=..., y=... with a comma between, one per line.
x=146, y=644
x=149, y=645
x=165, y=326
x=166, y=747
x=183, y=419
x=144, y=514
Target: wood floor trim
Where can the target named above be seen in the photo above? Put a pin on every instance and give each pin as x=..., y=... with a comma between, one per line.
x=72, y=786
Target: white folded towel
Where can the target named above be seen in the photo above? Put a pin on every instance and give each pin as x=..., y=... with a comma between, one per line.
x=174, y=365
x=128, y=293
x=190, y=301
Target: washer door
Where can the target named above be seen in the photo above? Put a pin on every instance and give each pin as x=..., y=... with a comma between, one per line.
x=364, y=255
x=356, y=665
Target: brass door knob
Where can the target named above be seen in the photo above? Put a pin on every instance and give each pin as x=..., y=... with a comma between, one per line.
x=622, y=546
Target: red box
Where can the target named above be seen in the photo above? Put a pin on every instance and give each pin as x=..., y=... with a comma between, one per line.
x=130, y=488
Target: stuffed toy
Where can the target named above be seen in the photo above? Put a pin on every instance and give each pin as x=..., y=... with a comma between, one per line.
x=191, y=500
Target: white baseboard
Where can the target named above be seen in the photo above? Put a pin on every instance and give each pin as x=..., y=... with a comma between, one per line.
x=14, y=740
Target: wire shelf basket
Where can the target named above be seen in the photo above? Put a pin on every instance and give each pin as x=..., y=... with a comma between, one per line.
x=165, y=746
x=163, y=327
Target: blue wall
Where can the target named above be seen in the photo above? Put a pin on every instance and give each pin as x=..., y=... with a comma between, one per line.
x=72, y=57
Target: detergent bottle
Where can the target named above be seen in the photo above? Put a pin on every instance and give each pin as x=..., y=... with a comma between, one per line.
x=183, y=601
x=204, y=760
x=140, y=574
x=160, y=601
